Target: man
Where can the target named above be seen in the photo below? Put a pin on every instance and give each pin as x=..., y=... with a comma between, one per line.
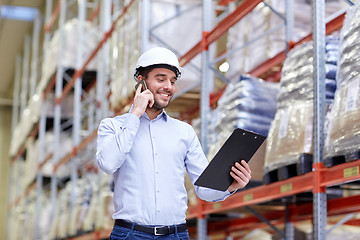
x=147, y=152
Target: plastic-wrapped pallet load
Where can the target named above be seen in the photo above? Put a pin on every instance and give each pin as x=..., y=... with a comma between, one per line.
x=92, y=213
x=290, y=142
x=54, y=218
x=248, y=103
x=105, y=207
x=125, y=51
x=31, y=161
x=75, y=212
x=303, y=231
x=31, y=114
x=343, y=139
x=59, y=228
x=29, y=218
x=258, y=234
x=23, y=128
x=63, y=206
x=45, y=218
x=254, y=25
x=88, y=186
x=83, y=191
x=68, y=60
x=16, y=221
x=63, y=171
x=92, y=208
x=166, y=31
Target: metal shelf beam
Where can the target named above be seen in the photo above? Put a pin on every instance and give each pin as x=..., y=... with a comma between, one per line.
x=296, y=213
x=339, y=174
x=242, y=10
x=331, y=176
x=80, y=71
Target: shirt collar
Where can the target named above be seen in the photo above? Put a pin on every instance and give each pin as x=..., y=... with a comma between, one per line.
x=163, y=114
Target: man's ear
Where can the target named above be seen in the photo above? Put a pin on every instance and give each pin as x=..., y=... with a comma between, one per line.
x=139, y=78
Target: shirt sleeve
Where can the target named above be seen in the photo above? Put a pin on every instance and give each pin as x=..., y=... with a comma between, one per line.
x=195, y=163
x=114, y=141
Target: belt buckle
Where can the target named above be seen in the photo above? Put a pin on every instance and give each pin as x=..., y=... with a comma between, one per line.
x=156, y=233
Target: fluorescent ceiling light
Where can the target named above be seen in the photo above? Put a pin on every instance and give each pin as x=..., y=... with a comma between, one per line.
x=18, y=13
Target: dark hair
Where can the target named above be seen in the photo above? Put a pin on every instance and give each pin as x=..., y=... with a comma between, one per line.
x=144, y=71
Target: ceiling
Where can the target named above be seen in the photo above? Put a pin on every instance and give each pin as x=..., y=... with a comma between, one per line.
x=12, y=35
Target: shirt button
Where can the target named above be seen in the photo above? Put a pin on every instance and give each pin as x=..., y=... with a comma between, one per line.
x=157, y=171
x=158, y=210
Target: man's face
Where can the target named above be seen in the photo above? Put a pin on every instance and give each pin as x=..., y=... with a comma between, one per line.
x=161, y=82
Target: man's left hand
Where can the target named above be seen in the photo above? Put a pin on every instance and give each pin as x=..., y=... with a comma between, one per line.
x=241, y=174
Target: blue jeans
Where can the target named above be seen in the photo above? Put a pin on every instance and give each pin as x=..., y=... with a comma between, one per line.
x=121, y=233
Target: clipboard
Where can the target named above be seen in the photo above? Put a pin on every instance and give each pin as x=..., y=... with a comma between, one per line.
x=241, y=144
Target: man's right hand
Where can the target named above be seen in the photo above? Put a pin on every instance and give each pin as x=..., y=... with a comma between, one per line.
x=141, y=101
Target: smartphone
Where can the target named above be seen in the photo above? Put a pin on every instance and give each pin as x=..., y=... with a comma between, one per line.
x=143, y=84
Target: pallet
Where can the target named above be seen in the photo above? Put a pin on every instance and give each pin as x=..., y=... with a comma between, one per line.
x=353, y=156
x=333, y=161
x=339, y=159
x=302, y=166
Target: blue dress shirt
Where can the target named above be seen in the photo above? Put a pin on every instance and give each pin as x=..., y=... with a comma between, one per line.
x=148, y=159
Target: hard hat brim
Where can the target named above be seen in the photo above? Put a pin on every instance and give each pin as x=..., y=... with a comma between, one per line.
x=177, y=70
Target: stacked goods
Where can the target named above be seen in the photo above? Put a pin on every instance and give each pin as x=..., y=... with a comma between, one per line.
x=31, y=114
x=343, y=139
x=63, y=171
x=166, y=31
x=92, y=208
x=250, y=104
x=257, y=234
x=58, y=228
x=31, y=161
x=104, y=208
x=290, y=140
x=68, y=56
x=259, y=35
x=304, y=231
x=297, y=73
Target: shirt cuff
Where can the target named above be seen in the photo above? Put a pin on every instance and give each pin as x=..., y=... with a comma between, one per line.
x=132, y=122
x=229, y=193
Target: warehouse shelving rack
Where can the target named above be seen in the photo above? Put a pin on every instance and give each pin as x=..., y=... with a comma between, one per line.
x=56, y=81
x=325, y=176
x=319, y=178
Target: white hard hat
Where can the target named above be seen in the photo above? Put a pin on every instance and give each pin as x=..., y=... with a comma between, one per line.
x=158, y=57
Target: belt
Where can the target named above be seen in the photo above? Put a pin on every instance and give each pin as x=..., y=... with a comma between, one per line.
x=163, y=230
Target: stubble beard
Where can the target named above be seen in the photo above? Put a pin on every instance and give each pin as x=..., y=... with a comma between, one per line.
x=158, y=106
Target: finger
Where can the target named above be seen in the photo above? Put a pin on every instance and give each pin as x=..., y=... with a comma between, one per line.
x=243, y=176
x=151, y=102
x=236, y=178
x=246, y=165
x=243, y=169
x=240, y=183
x=151, y=98
x=138, y=90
